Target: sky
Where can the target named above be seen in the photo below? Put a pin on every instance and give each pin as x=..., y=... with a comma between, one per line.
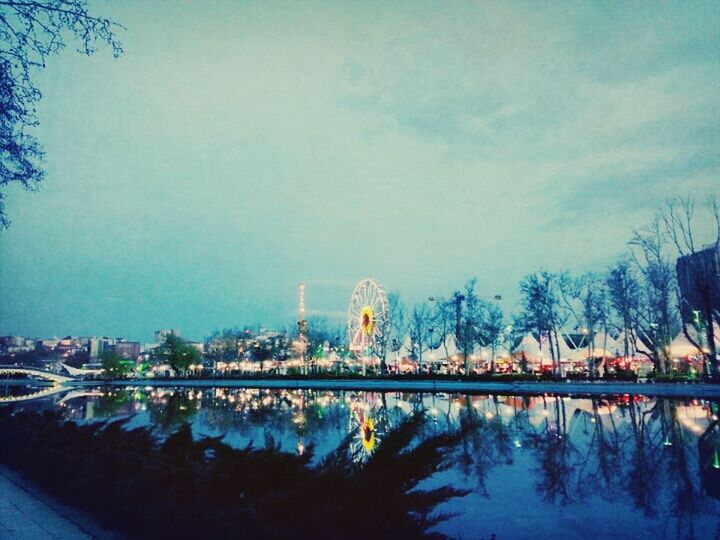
x=236, y=149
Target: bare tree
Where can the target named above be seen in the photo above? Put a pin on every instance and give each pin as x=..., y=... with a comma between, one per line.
x=468, y=320
x=587, y=302
x=624, y=300
x=418, y=330
x=398, y=318
x=30, y=32
x=659, y=317
x=391, y=331
x=544, y=312
x=223, y=345
x=491, y=330
x=443, y=322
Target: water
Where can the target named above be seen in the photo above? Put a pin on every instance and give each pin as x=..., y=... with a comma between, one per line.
x=537, y=466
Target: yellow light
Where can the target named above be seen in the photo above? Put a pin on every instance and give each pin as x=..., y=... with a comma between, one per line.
x=367, y=434
x=367, y=320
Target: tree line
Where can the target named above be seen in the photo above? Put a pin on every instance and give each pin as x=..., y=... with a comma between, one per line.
x=637, y=298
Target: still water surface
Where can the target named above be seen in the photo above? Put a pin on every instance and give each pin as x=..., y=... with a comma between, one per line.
x=537, y=466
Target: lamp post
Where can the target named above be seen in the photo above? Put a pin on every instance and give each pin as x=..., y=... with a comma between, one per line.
x=590, y=359
x=432, y=344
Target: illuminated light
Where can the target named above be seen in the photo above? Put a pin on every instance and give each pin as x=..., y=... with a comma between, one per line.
x=367, y=318
x=434, y=411
x=517, y=443
x=301, y=448
x=546, y=413
x=489, y=415
x=367, y=433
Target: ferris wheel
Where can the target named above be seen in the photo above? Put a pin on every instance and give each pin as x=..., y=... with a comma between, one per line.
x=367, y=314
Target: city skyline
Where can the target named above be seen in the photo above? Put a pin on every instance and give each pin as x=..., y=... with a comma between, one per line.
x=231, y=153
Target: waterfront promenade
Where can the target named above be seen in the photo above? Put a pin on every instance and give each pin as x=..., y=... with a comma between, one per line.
x=27, y=513
x=594, y=388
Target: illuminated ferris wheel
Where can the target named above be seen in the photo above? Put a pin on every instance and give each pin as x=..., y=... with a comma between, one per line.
x=367, y=314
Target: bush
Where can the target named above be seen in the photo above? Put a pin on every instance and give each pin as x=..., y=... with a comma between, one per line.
x=181, y=487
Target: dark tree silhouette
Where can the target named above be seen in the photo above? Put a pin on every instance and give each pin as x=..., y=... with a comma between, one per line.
x=30, y=32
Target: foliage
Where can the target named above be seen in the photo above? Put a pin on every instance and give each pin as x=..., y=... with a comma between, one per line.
x=30, y=32
x=183, y=487
x=115, y=366
x=176, y=352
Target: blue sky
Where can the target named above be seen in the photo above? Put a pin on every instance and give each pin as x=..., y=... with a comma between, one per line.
x=236, y=149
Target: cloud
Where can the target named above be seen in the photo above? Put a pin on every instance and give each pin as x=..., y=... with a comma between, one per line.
x=204, y=175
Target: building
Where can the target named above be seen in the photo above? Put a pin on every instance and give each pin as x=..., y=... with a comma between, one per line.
x=160, y=335
x=698, y=276
x=95, y=346
x=699, y=280
x=127, y=349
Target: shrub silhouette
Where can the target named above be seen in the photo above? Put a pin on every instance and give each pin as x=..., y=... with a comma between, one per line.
x=182, y=487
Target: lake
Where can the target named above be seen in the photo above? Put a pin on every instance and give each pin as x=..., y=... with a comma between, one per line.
x=546, y=466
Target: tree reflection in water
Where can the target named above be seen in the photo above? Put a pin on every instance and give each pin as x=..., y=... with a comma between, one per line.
x=658, y=456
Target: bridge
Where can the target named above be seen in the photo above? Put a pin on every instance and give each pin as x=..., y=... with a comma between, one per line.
x=34, y=373
x=43, y=392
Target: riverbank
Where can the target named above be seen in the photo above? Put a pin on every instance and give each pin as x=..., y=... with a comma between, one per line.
x=26, y=512
x=594, y=388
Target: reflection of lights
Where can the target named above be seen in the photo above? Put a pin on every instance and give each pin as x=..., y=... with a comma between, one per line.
x=546, y=412
x=434, y=411
x=489, y=415
x=517, y=443
x=300, y=448
x=367, y=434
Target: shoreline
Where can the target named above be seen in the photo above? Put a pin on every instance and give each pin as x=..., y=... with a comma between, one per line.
x=28, y=511
x=670, y=390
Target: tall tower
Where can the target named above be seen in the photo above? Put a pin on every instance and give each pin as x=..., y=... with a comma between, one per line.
x=302, y=326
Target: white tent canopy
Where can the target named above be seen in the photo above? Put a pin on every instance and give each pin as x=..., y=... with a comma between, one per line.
x=531, y=348
x=681, y=346
x=634, y=345
x=567, y=353
x=606, y=345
